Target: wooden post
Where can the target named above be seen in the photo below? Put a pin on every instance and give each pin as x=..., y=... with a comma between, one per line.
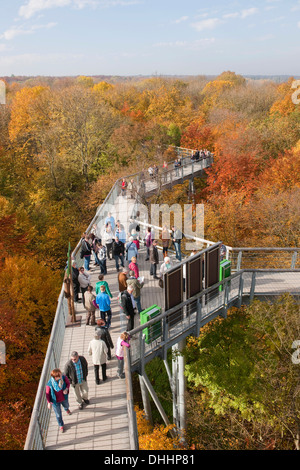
x=68, y=287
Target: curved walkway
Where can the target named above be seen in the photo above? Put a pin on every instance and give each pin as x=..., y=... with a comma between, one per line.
x=103, y=424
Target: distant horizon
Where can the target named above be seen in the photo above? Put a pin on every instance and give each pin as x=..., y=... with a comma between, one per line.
x=205, y=75
x=124, y=38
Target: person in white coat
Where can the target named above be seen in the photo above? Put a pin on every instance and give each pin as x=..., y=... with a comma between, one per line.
x=98, y=350
x=84, y=280
x=165, y=266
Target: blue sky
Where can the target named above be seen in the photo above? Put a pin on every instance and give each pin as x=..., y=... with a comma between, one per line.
x=145, y=37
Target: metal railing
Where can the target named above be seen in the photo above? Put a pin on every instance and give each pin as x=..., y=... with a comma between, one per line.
x=264, y=257
x=40, y=417
x=188, y=317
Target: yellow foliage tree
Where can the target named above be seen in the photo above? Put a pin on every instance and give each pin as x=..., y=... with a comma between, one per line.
x=24, y=115
x=284, y=104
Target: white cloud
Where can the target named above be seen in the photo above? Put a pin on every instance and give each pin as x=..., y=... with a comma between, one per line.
x=241, y=14
x=180, y=20
x=231, y=15
x=191, y=45
x=116, y=3
x=210, y=23
x=35, y=6
x=248, y=12
x=13, y=32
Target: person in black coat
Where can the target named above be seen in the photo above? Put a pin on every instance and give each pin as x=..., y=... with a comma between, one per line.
x=118, y=251
x=86, y=251
x=105, y=336
x=154, y=259
x=76, y=285
x=128, y=308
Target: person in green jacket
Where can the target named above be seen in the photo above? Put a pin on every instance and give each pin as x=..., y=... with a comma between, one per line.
x=100, y=283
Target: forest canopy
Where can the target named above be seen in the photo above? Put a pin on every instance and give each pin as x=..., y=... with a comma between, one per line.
x=63, y=143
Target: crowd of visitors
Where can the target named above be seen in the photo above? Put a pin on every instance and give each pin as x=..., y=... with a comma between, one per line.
x=123, y=247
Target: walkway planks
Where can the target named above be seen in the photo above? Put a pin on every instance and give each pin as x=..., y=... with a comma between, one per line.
x=103, y=424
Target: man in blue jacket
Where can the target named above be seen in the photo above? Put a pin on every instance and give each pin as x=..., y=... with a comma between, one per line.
x=103, y=301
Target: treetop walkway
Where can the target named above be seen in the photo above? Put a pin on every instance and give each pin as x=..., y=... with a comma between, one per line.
x=109, y=421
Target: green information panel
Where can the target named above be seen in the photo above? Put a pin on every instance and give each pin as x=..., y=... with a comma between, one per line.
x=225, y=271
x=154, y=331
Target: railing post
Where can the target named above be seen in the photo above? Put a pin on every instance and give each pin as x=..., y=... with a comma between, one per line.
x=133, y=431
x=252, y=290
x=165, y=337
x=239, y=261
x=294, y=259
x=241, y=288
x=198, y=316
x=226, y=294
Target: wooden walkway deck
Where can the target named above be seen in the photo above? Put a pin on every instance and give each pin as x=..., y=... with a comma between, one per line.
x=103, y=424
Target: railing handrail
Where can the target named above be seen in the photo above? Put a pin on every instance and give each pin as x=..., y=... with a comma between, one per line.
x=237, y=249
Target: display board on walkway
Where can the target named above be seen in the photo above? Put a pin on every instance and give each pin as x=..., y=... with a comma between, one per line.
x=194, y=275
x=174, y=288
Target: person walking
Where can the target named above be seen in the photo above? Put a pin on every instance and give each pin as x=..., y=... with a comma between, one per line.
x=154, y=259
x=76, y=285
x=105, y=335
x=98, y=350
x=89, y=303
x=123, y=340
x=103, y=301
x=148, y=242
x=110, y=220
x=132, y=189
x=118, y=251
x=136, y=292
x=57, y=395
x=76, y=370
x=86, y=251
x=122, y=278
x=123, y=187
x=84, y=280
x=176, y=238
x=128, y=307
x=165, y=238
x=108, y=239
x=102, y=257
x=120, y=232
x=131, y=249
x=133, y=266
x=100, y=283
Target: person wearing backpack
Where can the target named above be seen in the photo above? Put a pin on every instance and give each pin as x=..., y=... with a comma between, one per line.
x=131, y=249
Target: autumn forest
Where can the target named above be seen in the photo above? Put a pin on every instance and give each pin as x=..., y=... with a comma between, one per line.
x=63, y=143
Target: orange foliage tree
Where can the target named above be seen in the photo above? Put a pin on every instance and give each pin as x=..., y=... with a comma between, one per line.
x=155, y=437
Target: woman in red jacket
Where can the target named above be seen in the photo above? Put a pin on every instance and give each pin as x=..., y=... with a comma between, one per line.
x=57, y=393
x=134, y=267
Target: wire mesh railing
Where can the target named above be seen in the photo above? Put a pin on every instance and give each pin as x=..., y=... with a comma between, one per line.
x=171, y=326
x=264, y=258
